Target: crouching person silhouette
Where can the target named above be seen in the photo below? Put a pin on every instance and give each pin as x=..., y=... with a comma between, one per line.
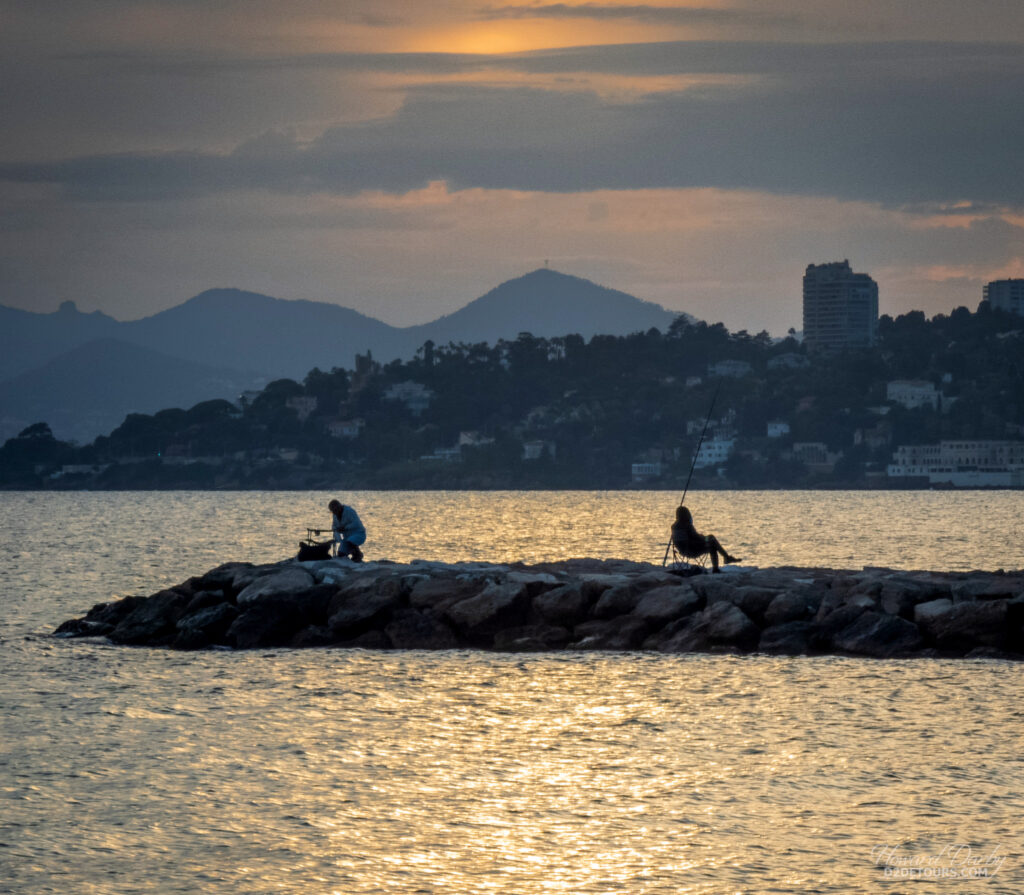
x=349, y=532
x=691, y=543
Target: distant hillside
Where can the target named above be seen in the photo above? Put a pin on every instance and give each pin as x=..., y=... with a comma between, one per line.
x=89, y=390
x=547, y=304
x=229, y=335
x=28, y=340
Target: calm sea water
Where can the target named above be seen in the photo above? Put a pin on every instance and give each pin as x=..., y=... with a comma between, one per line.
x=332, y=771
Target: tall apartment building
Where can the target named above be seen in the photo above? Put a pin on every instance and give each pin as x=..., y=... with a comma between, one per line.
x=840, y=307
x=1007, y=295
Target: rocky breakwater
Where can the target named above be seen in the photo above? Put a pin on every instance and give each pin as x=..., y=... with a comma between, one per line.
x=579, y=604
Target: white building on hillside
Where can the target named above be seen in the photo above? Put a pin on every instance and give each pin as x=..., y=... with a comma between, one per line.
x=714, y=452
x=913, y=393
x=962, y=464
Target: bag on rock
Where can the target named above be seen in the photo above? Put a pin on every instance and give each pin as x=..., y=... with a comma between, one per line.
x=309, y=552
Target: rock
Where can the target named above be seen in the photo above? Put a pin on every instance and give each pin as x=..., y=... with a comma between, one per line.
x=203, y=599
x=287, y=581
x=623, y=633
x=360, y=612
x=204, y=626
x=496, y=607
x=440, y=593
x=532, y=638
x=988, y=587
x=792, y=638
x=879, y=635
x=663, y=604
x=266, y=623
x=924, y=613
x=790, y=606
x=312, y=636
x=618, y=600
x=754, y=600
x=721, y=624
x=825, y=630
x=152, y=620
x=226, y=577
x=967, y=625
x=563, y=606
x=416, y=629
x=82, y=627
x=534, y=582
x=715, y=589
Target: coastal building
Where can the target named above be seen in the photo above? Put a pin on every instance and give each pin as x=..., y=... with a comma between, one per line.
x=645, y=472
x=960, y=464
x=714, y=452
x=840, y=307
x=912, y=393
x=414, y=395
x=303, y=405
x=815, y=456
x=1006, y=295
x=735, y=369
x=348, y=429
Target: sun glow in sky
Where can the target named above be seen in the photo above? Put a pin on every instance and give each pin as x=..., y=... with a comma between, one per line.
x=402, y=158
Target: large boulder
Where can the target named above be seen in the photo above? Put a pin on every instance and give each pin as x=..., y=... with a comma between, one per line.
x=416, y=629
x=267, y=623
x=204, y=626
x=879, y=635
x=966, y=625
x=360, y=611
x=792, y=638
x=152, y=621
x=791, y=606
x=618, y=600
x=622, y=633
x=290, y=580
x=754, y=600
x=445, y=591
x=564, y=606
x=925, y=613
x=663, y=604
x=496, y=607
x=720, y=625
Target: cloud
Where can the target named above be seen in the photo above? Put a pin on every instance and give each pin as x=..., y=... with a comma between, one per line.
x=656, y=15
x=888, y=123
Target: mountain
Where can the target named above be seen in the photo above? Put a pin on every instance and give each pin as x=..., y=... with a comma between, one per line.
x=224, y=336
x=89, y=390
x=28, y=340
x=250, y=331
x=547, y=304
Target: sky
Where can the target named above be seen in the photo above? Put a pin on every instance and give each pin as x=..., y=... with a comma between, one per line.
x=403, y=157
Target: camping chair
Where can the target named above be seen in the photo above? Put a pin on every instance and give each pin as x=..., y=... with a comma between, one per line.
x=692, y=561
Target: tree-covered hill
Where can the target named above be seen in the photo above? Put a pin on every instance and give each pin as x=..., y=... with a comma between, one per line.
x=574, y=413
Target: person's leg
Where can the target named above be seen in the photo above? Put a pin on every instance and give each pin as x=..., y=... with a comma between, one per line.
x=715, y=547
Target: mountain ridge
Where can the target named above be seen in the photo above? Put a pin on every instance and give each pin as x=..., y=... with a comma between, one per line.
x=249, y=335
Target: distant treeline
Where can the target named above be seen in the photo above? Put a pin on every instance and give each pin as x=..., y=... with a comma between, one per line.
x=569, y=413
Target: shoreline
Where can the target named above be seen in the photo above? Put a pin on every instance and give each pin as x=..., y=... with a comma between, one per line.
x=575, y=604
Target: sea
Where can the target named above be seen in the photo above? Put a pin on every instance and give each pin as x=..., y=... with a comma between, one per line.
x=349, y=772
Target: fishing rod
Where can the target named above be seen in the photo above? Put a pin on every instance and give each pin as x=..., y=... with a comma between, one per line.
x=693, y=465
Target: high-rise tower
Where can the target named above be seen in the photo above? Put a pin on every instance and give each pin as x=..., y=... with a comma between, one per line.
x=840, y=307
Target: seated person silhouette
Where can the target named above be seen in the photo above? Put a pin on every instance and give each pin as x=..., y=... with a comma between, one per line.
x=691, y=543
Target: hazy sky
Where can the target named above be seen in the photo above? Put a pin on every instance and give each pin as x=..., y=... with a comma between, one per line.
x=402, y=157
